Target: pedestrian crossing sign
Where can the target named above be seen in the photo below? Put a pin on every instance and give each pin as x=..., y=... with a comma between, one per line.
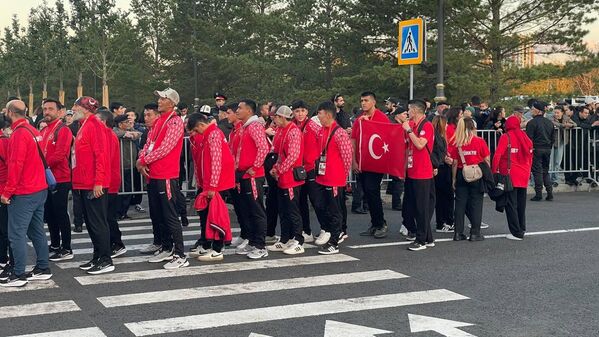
x=412, y=42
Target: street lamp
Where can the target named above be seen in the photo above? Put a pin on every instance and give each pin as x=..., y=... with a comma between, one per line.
x=440, y=49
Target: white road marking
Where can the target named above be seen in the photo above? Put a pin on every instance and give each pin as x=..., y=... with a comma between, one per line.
x=85, y=332
x=37, y=285
x=210, y=269
x=35, y=309
x=494, y=236
x=142, y=228
x=147, y=220
x=206, y=321
x=248, y=288
x=340, y=329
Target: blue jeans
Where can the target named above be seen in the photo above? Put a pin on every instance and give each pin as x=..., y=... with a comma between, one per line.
x=26, y=219
x=557, y=155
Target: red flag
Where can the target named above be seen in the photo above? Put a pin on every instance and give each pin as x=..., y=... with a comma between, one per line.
x=382, y=148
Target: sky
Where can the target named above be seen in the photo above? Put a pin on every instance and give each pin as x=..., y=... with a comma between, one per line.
x=22, y=7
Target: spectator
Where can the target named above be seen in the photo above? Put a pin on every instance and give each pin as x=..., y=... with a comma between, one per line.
x=127, y=137
x=540, y=131
x=562, y=124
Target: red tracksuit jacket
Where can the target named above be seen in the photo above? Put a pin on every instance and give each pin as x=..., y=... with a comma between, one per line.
x=91, y=158
x=58, y=151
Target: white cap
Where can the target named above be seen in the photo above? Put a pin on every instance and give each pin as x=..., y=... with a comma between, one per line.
x=205, y=109
x=168, y=93
x=284, y=111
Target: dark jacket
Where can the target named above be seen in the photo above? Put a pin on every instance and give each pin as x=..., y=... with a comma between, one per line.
x=342, y=118
x=540, y=131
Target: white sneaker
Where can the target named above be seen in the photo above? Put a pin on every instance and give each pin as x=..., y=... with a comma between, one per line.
x=446, y=229
x=257, y=253
x=244, y=250
x=484, y=225
x=161, y=256
x=176, y=263
x=308, y=238
x=269, y=240
x=150, y=249
x=511, y=237
x=323, y=239
x=319, y=234
x=294, y=248
x=199, y=251
x=237, y=241
x=403, y=230
x=244, y=244
x=210, y=256
x=278, y=247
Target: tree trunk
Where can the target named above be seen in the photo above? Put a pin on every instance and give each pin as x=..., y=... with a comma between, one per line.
x=61, y=89
x=495, y=50
x=31, y=107
x=80, y=85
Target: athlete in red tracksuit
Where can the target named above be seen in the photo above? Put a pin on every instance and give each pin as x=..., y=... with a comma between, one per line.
x=215, y=173
x=56, y=146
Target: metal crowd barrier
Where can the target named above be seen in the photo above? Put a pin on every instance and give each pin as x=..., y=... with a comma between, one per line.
x=575, y=155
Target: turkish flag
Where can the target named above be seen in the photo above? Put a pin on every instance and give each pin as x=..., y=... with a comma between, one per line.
x=382, y=148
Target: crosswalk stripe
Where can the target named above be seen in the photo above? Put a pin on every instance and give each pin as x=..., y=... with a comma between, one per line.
x=37, y=285
x=126, y=238
x=84, y=332
x=197, y=322
x=210, y=269
x=139, y=228
x=38, y=309
x=129, y=247
x=147, y=220
x=248, y=288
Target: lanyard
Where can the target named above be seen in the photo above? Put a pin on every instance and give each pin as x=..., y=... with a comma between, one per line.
x=162, y=127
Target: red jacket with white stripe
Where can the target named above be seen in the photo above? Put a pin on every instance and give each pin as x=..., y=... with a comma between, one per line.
x=288, y=144
x=338, y=155
x=25, y=167
x=91, y=162
x=163, y=149
x=215, y=164
x=310, y=132
x=252, y=148
x=115, y=161
x=57, y=151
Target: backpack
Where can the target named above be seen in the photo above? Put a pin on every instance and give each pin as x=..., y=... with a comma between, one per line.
x=439, y=150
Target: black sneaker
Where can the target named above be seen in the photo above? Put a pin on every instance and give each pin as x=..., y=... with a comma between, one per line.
x=415, y=246
x=53, y=250
x=536, y=198
x=105, y=266
x=38, y=274
x=328, y=249
x=6, y=272
x=118, y=251
x=78, y=229
x=549, y=197
x=62, y=255
x=369, y=232
x=411, y=236
x=380, y=233
x=14, y=281
x=88, y=265
x=184, y=221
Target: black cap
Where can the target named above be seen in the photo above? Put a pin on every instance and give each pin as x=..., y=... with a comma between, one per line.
x=119, y=119
x=220, y=95
x=299, y=104
x=392, y=100
x=539, y=105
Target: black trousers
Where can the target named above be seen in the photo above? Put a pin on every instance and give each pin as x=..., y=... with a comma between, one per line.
x=124, y=200
x=515, y=211
x=113, y=225
x=418, y=206
x=216, y=245
x=396, y=187
x=342, y=208
x=291, y=219
x=468, y=202
x=137, y=183
x=239, y=212
x=272, y=206
x=4, y=243
x=540, y=170
x=181, y=203
x=444, y=205
x=94, y=214
x=254, y=209
x=329, y=205
x=164, y=214
x=77, y=209
x=309, y=190
x=57, y=216
x=358, y=197
x=371, y=184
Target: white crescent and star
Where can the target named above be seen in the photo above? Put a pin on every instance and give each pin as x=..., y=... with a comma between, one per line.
x=371, y=150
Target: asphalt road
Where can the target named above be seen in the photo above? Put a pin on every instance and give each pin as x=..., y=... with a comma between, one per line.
x=546, y=285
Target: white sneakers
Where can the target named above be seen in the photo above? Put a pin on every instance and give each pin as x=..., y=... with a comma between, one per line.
x=308, y=238
x=211, y=255
x=161, y=256
x=176, y=262
x=237, y=241
x=244, y=249
x=514, y=238
x=257, y=253
x=294, y=248
x=323, y=238
x=278, y=247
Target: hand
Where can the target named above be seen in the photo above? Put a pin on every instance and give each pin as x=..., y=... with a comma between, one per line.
x=143, y=169
x=98, y=191
x=5, y=200
x=210, y=194
x=250, y=172
x=270, y=132
x=355, y=167
x=435, y=172
x=128, y=134
x=596, y=123
x=406, y=125
x=453, y=184
x=348, y=131
x=274, y=174
x=498, y=124
x=448, y=160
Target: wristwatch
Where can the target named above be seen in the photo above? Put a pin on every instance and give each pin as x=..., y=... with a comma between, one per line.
x=409, y=131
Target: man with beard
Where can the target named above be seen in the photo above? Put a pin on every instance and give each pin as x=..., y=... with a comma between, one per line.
x=56, y=146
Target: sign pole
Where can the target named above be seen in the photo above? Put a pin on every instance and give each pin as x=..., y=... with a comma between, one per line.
x=411, y=81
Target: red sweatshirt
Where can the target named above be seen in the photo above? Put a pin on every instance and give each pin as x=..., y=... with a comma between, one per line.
x=216, y=170
x=3, y=162
x=311, y=153
x=338, y=154
x=26, y=173
x=520, y=157
x=90, y=159
x=474, y=153
x=252, y=148
x=288, y=144
x=114, y=161
x=57, y=151
x=163, y=149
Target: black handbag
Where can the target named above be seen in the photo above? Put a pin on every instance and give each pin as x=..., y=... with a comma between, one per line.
x=503, y=182
x=299, y=173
